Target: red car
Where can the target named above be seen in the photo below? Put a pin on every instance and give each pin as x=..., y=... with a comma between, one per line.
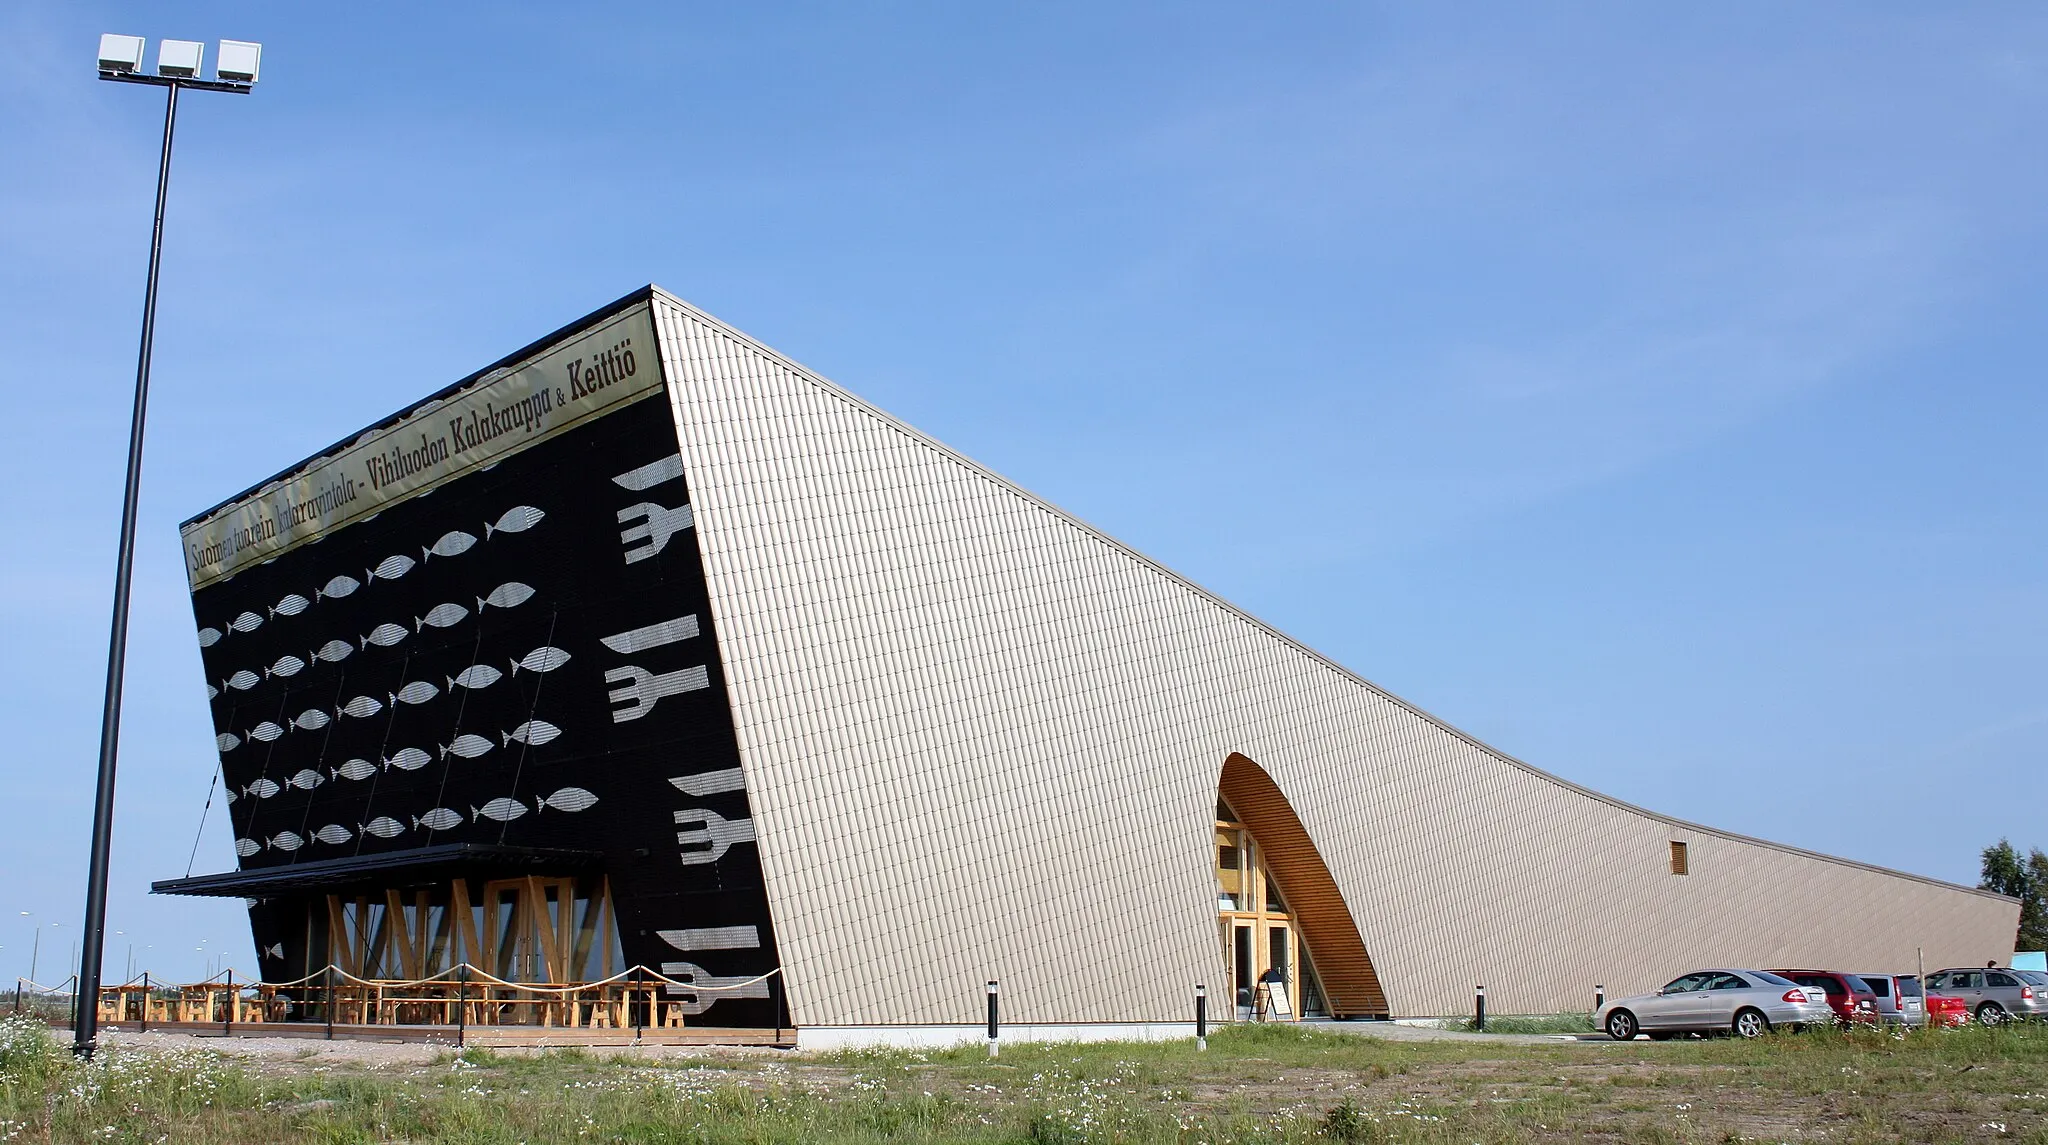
x=1943, y=1010
x=1848, y=996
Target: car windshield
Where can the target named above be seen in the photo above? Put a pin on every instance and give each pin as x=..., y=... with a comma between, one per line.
x=1773, y=979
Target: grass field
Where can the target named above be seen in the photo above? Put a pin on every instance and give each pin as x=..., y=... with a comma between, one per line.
x=1256, y=1084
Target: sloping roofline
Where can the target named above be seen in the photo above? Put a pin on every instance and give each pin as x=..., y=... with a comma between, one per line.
x=649, y=292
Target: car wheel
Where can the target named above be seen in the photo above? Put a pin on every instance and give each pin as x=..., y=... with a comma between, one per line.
x=1751, y=1024
x=1621, y=1026
x=1990, y=1014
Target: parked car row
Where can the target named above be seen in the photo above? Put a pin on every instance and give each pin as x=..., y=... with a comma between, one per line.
x=1749, y=1003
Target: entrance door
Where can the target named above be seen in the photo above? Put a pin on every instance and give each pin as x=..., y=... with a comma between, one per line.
x=1244, y=969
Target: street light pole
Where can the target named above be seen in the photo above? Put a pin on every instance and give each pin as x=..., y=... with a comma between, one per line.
x=177, y=67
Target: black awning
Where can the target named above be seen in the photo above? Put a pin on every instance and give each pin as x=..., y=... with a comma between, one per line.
x=418, y=866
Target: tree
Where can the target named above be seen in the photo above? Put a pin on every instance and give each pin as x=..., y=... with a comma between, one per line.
x=2025, y=879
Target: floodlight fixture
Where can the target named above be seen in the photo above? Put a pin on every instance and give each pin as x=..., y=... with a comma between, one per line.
x=236, y=61
x=180, y=58
x=120, y=53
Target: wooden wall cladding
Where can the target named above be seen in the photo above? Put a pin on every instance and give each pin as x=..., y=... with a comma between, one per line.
x=1327, y=928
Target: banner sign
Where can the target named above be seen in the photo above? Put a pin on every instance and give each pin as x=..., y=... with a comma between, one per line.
x=503, y=412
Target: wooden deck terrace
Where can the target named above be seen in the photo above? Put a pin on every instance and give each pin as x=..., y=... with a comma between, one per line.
x=487, y=1036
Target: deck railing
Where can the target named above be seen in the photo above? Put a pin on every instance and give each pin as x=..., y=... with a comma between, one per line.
x=461, y=996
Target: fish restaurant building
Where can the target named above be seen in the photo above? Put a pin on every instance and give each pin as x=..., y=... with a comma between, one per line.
x=647, y=647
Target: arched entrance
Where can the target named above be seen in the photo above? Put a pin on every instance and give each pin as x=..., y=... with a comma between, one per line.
x=1279, y=912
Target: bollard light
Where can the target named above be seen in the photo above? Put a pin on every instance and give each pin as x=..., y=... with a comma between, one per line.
x=1201, y=1016
x=993, y=1025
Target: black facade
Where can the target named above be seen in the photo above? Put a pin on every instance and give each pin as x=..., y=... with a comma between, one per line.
x=515, y=671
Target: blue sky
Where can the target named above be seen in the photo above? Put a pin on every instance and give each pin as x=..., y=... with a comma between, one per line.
x=1654, y=393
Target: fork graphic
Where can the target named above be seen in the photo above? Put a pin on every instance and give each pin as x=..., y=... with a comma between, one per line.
x=656, y=526
x=642, y=688
x=706, y=835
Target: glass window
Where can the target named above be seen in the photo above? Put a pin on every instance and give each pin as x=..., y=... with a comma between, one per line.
x=1878, y=983
x=1688, y=983
x=1908, y=988
x=2001, y=980
x=1966, y=980
x=1773, y=979
x=2031, y=977
x=1727, y=982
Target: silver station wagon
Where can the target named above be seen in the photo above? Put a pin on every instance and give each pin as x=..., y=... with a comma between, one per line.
x=1746, y=1003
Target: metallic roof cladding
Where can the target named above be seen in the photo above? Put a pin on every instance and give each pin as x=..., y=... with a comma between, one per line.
x=984, y=740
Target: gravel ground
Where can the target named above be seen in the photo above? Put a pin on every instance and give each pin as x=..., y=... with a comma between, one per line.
x=313, y=1052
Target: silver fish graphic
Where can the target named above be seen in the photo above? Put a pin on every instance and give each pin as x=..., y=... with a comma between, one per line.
x=499, y=810
x=230, y=794
x=226, y=741
x=533, y=733
x=362, y=707
x=542, y=659
x=417, y=692
x=265, y=732
x=511, y=594
x=334, y=651
x=517, y=519
x=290, y=606
x=311, y=720
x=466, y=747
x=208, y=637
x=334, y=833
x=439, y=819
x=212, y=693
x=287, y=841
x=286, y=666
x=476, y=676
x=567, y=799
x=385, y=635
x=409, y=759
x=338, y=587
x=383, y=826
x=307, y=779
x=356, y=769
x=391, y=568
x=274, y=950
x=247, y=622
x=262, y=788
x=452, y=544
x=247, y=847
x=243, y=680
x=441, y=616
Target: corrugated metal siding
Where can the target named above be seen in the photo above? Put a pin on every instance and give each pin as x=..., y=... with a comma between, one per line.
x=983, y=740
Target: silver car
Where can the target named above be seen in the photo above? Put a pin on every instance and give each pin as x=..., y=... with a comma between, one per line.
x=1898, y=999
x=1995, y=993
x=1747, y=1003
